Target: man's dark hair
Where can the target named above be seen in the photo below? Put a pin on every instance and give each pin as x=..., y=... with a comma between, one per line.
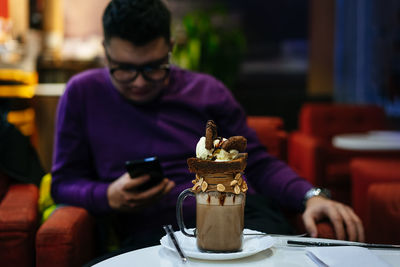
x=137, y=21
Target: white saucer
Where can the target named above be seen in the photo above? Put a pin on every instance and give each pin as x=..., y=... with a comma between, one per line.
x=251, y=246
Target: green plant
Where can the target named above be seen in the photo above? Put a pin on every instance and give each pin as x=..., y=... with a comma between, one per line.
x=210, y=44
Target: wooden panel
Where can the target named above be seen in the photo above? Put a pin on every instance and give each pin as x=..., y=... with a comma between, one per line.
x=322, y=32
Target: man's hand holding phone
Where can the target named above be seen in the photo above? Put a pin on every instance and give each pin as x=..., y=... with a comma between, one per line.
x=134, y=193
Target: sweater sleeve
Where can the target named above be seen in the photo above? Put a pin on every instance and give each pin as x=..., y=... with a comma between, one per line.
x=74, y=179
x=266, y=174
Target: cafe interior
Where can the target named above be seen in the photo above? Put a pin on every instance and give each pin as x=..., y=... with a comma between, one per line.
x=318, y=80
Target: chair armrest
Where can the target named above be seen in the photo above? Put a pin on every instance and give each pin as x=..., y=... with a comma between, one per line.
x=18, y=209
x=66, y=238
x=368, y=171
x=305, y=156
x=18, y=223
x=383, y=216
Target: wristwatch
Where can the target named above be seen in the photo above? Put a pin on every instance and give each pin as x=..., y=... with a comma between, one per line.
x=316, y=191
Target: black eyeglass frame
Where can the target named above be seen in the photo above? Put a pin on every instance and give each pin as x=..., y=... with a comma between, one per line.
x=141, y=69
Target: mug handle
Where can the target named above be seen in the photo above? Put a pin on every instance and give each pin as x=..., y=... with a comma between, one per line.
x=179, y=213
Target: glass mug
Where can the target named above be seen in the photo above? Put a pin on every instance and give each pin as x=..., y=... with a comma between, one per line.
x=219, y=220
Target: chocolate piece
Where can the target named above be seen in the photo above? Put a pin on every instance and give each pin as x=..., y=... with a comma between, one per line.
x=211, y=134
x=238, y=143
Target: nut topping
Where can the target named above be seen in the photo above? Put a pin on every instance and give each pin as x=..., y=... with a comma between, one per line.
x=195, y=187
x=204, y=186
x=220, y=187
x=237, y=189
x=238, y=175
x=244, y=187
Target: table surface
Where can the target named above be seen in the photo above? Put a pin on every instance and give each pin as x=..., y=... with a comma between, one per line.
x=370, y=141
x=278, y=255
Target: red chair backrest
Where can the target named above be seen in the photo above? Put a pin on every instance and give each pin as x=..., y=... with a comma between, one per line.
x=326, y=120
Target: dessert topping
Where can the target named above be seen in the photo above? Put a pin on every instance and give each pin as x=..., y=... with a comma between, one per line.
x=220, y=187
x=204, y=186
x=211, y=134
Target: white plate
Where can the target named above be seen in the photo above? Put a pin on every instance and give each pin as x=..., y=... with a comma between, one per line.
x=251, y=246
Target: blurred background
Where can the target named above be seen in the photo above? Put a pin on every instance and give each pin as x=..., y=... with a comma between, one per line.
x=273, y=55
x=319, y=80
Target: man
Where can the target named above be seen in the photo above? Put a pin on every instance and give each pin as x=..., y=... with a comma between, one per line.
x=140, y=106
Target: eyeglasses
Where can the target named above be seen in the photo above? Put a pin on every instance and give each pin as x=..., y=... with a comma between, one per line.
x=156, y=71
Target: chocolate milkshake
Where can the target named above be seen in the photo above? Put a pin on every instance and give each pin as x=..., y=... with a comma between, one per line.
x=220, y=191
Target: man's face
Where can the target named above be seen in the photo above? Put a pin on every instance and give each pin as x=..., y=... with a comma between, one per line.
x=138, y=72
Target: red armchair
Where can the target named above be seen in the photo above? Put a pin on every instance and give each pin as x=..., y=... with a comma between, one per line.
x=311, y=152
x=369, y=201
x=383, y=213
x=67, y=237
x=270, y=131
x=18, y=223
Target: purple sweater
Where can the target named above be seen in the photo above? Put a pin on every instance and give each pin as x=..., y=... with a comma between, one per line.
x=98, y=130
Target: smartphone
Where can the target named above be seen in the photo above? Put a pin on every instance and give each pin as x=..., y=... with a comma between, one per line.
x=149, y=166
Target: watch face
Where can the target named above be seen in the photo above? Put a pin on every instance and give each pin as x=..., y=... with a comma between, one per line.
x=316, y=191
x=322, y=192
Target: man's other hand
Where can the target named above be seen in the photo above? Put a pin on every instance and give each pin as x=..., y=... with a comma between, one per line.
x=123, y=194
x=343, y=218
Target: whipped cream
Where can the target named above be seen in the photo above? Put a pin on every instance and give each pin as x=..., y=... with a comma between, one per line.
x=217, y=153
x=201, y=151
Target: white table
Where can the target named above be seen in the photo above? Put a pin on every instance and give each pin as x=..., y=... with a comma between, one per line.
x=275, y=256
x=370, y=141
